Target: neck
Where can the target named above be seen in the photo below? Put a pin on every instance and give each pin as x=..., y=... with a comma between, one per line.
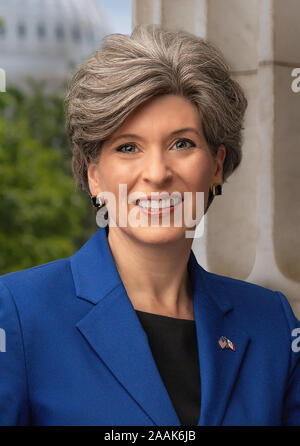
x=155, y=276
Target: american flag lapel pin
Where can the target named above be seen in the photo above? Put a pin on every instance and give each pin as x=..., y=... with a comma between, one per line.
x=226, y=343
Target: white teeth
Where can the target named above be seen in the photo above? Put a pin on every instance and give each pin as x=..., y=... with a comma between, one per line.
x=156, y=204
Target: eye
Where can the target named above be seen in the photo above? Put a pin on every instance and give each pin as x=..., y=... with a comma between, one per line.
x=119, y=149
x=184, y=142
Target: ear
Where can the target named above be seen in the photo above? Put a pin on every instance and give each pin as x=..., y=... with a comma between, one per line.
x=93, y=179
x=219, y=161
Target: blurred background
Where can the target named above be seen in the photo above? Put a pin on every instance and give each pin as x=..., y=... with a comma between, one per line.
x=43, y=216
x=252, y=232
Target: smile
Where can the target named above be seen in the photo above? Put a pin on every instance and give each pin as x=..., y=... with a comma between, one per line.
x=158, y=207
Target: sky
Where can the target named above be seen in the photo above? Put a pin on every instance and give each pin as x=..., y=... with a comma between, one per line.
x=118, y=13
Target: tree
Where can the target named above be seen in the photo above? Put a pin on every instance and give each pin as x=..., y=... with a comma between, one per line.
x=43, y=216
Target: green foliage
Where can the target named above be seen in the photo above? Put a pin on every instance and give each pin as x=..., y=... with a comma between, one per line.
x=43, y=216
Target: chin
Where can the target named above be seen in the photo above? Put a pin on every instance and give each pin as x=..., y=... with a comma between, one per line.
x=158, y=235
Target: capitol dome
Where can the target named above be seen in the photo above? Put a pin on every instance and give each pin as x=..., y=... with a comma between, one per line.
x=46, y=39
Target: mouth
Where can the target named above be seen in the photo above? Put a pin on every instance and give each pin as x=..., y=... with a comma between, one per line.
x=158, y=207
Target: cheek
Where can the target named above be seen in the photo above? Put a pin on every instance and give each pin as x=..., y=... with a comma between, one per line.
x=112, y=173
x=121, y=174
x=198, y=172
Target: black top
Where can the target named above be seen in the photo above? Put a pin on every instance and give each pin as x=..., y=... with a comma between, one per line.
x=173, y=343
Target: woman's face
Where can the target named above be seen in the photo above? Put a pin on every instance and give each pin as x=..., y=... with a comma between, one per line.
x=159, y=148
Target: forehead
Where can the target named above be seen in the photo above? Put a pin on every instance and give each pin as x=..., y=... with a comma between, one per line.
x=165, y=112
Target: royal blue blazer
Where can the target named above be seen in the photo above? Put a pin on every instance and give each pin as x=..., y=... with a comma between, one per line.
x=75, y=352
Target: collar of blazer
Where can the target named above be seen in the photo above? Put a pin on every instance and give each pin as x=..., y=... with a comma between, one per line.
x=114, y=331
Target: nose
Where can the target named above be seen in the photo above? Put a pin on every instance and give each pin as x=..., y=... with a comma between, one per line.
x=156, y=168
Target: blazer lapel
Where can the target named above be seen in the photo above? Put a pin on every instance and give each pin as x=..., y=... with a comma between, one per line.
x=114, y=331
x=214, y=318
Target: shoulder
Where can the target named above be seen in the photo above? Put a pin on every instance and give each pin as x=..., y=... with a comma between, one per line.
x=252, y=300
x=264, y=313
x=46, y=271
x=33, y=285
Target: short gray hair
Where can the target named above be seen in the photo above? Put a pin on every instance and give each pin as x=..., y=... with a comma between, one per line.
x=129, y=70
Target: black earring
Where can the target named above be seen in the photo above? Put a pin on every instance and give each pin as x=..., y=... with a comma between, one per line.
x=98, y=201
x=102, y=212
x=217, y=189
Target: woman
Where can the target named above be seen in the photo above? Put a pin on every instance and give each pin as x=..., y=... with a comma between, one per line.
x=131, y=330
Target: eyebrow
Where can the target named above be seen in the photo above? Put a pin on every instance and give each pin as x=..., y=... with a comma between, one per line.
x=175, y=132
